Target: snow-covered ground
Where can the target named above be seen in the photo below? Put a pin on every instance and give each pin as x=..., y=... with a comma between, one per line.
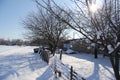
x=19, y=63
x=90, y=68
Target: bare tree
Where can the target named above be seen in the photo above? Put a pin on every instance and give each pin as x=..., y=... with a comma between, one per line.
x=101, y=27
x=43, y=25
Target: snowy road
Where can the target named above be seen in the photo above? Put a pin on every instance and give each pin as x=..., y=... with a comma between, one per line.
x=19, y=63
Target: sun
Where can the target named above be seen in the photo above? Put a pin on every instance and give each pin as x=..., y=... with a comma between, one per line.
x=93, y=8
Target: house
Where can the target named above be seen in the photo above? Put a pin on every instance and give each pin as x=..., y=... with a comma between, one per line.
x=67, y=45
x=80, y=45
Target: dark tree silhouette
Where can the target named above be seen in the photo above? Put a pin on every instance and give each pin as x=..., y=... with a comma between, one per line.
x=45, y=26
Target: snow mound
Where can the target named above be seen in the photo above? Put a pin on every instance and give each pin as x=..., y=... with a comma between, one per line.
x=69, y=51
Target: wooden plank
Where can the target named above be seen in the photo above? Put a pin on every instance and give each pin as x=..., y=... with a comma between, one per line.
x=66, y=72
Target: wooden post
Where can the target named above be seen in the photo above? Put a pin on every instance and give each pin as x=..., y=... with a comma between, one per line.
x=61, y=55
x=60, y=59
x=83, y=78
x=71, y=71
x=59, y=73
x=55, y=68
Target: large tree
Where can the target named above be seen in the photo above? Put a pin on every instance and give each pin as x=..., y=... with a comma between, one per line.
x=101, y=26
x=44, y=26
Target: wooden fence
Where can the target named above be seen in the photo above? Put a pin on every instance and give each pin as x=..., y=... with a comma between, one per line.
x=64, y=71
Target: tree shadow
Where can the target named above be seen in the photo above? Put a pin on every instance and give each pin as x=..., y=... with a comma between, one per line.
x=46, y=75
x=12, y=64
x=100, y=65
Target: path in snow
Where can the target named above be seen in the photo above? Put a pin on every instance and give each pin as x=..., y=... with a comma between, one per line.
x=19, y=63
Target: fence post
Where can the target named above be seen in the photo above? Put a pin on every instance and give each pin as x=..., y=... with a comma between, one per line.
x=61, y=55
x=55, y=68
x=59, y=74
x=71, y=73
x=60, y=59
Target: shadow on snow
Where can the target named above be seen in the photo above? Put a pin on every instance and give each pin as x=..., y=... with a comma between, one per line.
x=103, y=62
x=12, y=64
x=46, y=75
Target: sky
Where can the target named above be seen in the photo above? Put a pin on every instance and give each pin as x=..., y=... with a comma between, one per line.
x=12, y=12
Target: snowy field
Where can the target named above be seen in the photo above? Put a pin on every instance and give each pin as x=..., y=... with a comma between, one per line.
x=19, y=63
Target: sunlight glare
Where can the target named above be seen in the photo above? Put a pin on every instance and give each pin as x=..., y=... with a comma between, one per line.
x=93, y=8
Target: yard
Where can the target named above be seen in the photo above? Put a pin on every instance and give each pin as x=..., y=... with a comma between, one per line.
x=19, y=63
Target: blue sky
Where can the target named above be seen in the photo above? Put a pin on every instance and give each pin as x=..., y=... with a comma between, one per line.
x=12, y=12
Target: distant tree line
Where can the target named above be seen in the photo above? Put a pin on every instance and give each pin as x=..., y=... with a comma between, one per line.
x=18, y=42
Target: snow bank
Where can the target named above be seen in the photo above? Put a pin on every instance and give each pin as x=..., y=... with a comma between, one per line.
x=110, y=49
x=69, y=51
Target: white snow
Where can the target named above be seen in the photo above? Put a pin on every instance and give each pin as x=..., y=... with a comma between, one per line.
x=93, y=44
x=98, y=34
x=118, y=44
x=110, y=49
x=90, y=68
x=19, y=63
x=69, y=51
x=88, y=47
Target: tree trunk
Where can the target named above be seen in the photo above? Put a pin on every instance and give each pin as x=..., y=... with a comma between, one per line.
x=115, y=64
x=61, y=55
x=105, y=52
x=54, y=49
x=53, y=53
x=95, y=53
x=117, y=75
